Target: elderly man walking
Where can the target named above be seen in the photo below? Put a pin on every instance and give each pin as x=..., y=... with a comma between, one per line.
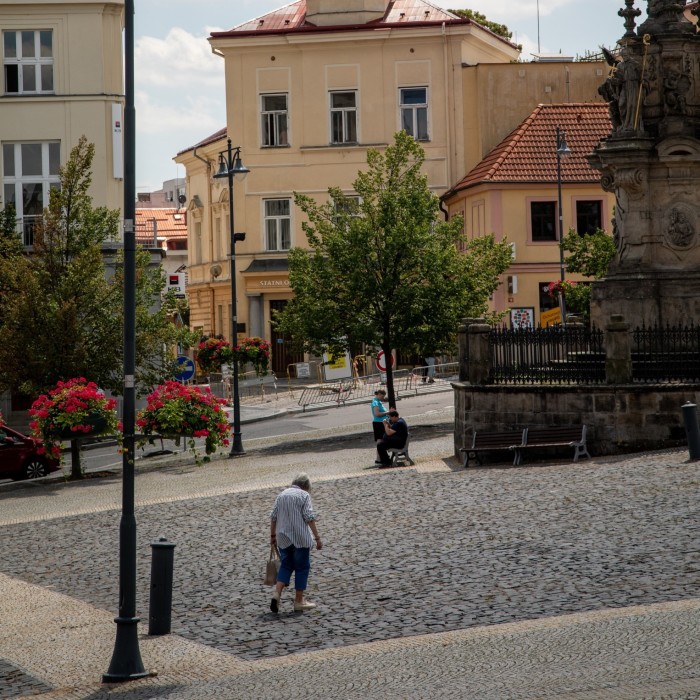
x=293, y=530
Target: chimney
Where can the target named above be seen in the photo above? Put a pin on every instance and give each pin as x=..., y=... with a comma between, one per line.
x=325, y=13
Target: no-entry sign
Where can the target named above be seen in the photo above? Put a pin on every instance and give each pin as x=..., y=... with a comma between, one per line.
x=381, y=361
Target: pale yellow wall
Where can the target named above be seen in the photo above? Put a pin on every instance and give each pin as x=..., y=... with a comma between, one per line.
x=504, y=211
x=87, y=51
x=498, y=97
x=307, y=67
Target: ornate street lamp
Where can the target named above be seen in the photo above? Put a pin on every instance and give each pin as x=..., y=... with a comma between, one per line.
x=563, y=151
x=230, y=166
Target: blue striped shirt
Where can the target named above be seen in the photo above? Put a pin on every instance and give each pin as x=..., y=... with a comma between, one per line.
x=292, y=512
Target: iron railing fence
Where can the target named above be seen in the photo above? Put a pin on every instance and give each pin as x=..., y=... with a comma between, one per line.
x=552, y=355
x=666, y=354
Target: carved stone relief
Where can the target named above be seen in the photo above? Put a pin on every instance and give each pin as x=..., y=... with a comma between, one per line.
x=680, y=227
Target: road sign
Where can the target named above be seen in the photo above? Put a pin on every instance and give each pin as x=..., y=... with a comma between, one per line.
x=381, y=362
x=185, y=368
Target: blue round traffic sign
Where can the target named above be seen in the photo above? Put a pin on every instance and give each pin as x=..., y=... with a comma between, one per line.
x=185, y=368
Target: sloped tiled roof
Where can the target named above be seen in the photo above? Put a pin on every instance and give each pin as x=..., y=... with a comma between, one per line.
x=170, y=223
x=292, y=18
x=529, y=153
x=220, y=134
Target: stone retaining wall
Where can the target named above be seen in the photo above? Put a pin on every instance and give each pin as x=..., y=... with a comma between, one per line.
x=621, y=418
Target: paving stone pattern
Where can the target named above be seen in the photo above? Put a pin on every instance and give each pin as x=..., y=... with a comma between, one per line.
x=16, y=683
x=405, y=553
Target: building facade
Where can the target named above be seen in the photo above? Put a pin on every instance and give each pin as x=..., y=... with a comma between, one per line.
x=513, y=193
x=310, y=88
x=62, y=78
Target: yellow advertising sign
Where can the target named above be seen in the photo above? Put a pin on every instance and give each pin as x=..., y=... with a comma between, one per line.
x=337, y=361
x=551, y=317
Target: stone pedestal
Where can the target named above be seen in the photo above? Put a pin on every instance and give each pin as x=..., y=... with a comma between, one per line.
x=650, y=298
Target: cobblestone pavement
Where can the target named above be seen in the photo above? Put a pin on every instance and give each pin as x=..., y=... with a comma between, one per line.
x=545, y=581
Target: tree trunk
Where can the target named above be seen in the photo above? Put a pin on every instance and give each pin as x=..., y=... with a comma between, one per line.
x=76, y=471
x=391, y=396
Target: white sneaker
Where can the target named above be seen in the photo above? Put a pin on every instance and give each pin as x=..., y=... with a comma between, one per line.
x=275, y=601
x=304, y=605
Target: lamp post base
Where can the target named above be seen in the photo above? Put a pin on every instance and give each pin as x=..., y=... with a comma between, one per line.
x=237, y=446
x=126, y=664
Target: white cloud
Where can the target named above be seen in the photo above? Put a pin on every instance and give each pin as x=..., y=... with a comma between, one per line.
x=179, y=59
x=508, y=12
x=203, y=115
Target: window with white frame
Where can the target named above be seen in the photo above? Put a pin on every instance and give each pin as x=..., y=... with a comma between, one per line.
x=28, y=61
x=414, y=112
x=278, y=224
x=344, y=116
x=29, y=172
x=274, y=120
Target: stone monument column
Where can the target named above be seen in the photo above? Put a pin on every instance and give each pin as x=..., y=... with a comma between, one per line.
x=651, y=162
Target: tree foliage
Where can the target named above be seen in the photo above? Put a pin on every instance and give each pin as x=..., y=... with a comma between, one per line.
x=589, y=255
x=387, y=271
x=62, y=316
x=500, y=29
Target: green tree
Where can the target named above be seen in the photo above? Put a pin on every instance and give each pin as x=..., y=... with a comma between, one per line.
x=500, y=29
x=62, y=315
x=589, y=255
x=387, y=271
x=10, y=242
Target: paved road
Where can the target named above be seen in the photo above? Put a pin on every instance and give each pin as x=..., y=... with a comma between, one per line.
x=547, y=581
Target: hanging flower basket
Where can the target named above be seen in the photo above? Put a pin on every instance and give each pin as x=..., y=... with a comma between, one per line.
x=256, y=351
x=212, y=352
x=74, y=409
x=175, y=410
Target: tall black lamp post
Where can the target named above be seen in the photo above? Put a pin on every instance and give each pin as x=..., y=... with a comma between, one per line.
x=230, y=166
x=563, y=151
x=126, y=661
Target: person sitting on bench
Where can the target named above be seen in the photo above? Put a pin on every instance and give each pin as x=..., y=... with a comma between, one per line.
x=395, y=434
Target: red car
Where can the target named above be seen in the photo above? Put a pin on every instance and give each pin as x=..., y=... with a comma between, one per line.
x=20, y=456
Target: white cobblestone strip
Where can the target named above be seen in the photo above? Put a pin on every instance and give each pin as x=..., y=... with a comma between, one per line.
x=634, y=653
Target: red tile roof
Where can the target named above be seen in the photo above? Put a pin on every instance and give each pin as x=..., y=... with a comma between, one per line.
x=220, y=134
x=170, y=223
x=292, y=18
x=529, y=154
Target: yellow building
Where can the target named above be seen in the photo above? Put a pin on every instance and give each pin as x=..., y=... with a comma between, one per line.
x=513, y=193
x=310, y=88
x=62, y=78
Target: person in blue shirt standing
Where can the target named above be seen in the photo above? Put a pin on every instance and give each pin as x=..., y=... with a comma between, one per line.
x=379, y=413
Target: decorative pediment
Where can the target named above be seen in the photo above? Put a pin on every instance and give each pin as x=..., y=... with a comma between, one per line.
x=679, y=147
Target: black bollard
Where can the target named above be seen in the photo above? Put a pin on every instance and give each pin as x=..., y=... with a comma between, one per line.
x=692, y=431
x=162, y=556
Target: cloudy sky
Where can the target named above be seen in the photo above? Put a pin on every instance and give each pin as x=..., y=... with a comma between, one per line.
x=180, y=83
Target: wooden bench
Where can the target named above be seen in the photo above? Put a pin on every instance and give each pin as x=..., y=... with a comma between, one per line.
x=492, y=441
x=568, y=436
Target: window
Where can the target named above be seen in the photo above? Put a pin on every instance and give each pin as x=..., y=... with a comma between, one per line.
x=547, y=302
x=274, y=120
x=414, y=112
x=344, y=117
x=30, y=171
x=589, y=216
x=28, y=61
x=543, y=221
x=278, y=224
